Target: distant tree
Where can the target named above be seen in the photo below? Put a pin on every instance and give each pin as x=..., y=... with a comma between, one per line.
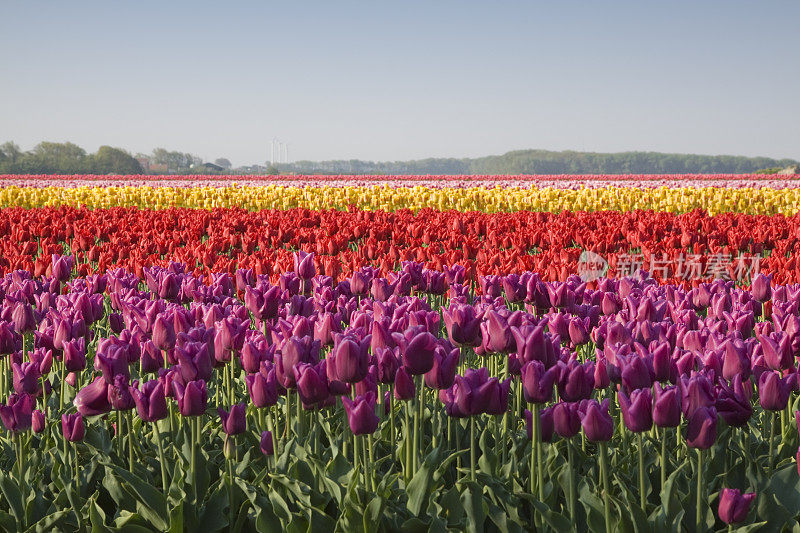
x=56, y=158
x=223, y=162
x=175, y=161
x=109, y=160
x=10, y=152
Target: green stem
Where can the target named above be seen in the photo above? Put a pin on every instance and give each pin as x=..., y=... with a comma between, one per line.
x=288, y=413
x=77, y=479
x=299, y=414
x=417, y=417
x=231, y=505
x=604, y=472
x=472, y=448
x=119, y=435
x=773, y=424
x=533, y=455
x=572, y=486
x=129, y=427
x=539, y=462
x=642, y=495
x=193, y=457
x=699, y=504
x=356, y=452
x=663, y=457
x=407, y=437
x=61, y=386
x=163, y=463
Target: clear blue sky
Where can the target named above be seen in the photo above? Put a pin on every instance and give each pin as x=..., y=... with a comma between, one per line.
x=402, y=80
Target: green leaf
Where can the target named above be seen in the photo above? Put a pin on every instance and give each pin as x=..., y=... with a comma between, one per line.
x=555, y=520
x=475, y=507
x=50, y=522
x=150, y=502
x=176, y=519
x=671, y=501
x=373, y=514
x=751, y=527
x=419, y=487
x=213, y=516
x=13, y=496
x=266, y=520
x=7, y=522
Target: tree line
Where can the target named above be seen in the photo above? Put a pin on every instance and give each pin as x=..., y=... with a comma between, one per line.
x=548, y=162
x=69, y=158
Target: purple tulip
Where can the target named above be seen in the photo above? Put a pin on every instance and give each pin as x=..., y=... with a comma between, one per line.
x=404, y=387
x=74, y=355
x=351, y=358
x=312, y=384
x=733, y=404
x=666, y=406
x=304, y=265
x=37, y=421
x=17, y=413
x=734, y=506
x=388, y=363
x=194, y=361
x=495, y=394
x=263, y=388
x=696, y=392
x=463, y=325
x=26, y=378
x=546, y=423
x=72, y=427
x=163, y=333
x=61, y=267
x=773, y=391
x=418, y=349
x=254, y=351
x=736, y=360
x=702, y=428
x=566, y=419
x=293, y=351
x=601, y=378
x=575, y=381
x=234, y=422
x=443, y=372
x=267, y=445
x=533, y=344
x=150, y=399
x=596, y=421
x=192, y=398
x=635, y=374
x=777, y=353
x=637, y=411
x=263, y=303
x=761, y=288
x=361, y=414
x=119, y=394
x=468, y=392
x=537, y=383
x=93, y=398
x=22, y=317
x=496, y=333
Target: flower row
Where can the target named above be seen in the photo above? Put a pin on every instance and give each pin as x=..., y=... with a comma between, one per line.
x=676, y=248
x=382, y=386
x=763, y=201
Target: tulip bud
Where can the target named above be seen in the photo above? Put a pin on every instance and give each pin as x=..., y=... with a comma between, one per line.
x=734, y=506
x=72, y=427
x=267, y=444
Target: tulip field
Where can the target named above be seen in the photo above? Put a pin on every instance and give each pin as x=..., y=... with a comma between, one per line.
x=416, y=353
